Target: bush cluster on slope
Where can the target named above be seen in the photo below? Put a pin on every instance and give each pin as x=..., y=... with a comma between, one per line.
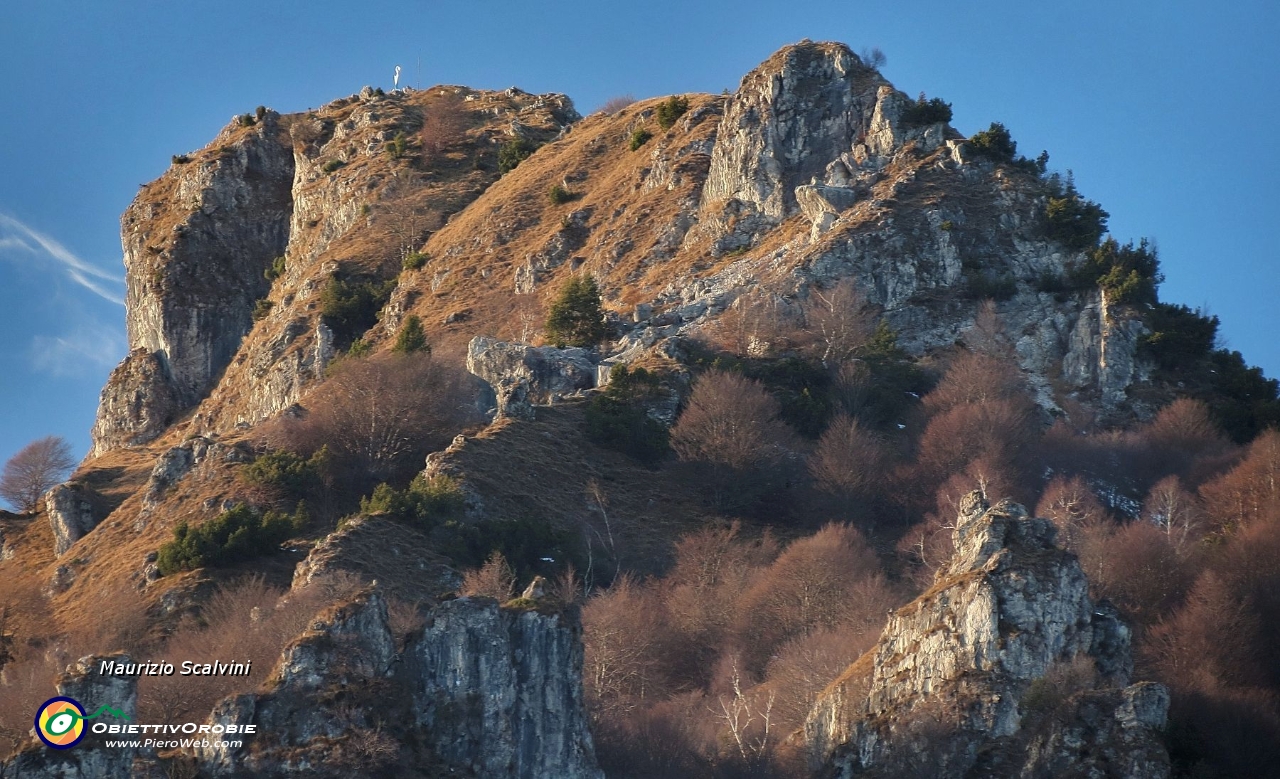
x=233, y=536
x=924, y=112
x=619, y=418
x=351, y=306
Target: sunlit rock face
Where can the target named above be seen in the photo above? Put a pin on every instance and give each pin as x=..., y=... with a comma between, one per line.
x=1003, y=668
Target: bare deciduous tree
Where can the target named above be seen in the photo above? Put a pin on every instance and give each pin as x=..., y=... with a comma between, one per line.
x=1250, y=492
x=975, y=377
x=615, y=104
x=621, y=634
x=1177, y=513
x=731, y=424
x=873, y=57
x=34, y=470
x=494, y=579
x=756, y=325
x=804, y=666
x=1136, y=567
x=1073, y=507
x=381, y=415
x=830, y=578
x=839, y=320
x=988, y=335
x=1211, y=642
x=848, y=459
x=748, y=718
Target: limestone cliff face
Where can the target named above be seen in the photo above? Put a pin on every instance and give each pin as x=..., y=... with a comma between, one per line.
x=964, y=677
x=815, y=178
x=70, y=513
x=196, y=243
x=500, y=691
x=477, y=691
x=521, y=375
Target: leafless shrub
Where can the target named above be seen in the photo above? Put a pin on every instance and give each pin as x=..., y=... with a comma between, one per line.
x=615, y=104
x=382, y=415
x=1062, y=680
x=24, y=684
x=403, y=619
x=566, y=587
x=494, y=579
x=34, y=470
x=244, y=621
x=110, y=619
x=370, y=748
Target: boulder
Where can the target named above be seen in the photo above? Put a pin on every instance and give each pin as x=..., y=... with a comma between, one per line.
x=523, y=376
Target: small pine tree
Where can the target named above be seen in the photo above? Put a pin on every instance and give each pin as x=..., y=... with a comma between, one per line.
x=412, y=338
x=670, y=110
x=576, y=317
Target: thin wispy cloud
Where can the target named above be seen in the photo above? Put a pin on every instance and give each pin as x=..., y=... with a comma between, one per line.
x=81, y=352
x=23, y=243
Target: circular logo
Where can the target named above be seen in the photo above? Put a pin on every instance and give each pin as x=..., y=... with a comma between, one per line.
x=60, y=722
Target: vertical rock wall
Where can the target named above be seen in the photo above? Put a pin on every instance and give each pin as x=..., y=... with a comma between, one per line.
x=196, y=243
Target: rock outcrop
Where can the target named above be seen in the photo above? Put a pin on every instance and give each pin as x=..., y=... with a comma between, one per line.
x=790, y=118
x=1003, y=668
x=521, y=712
x=91, y=758
x=70, y=513
x=137, y=403
x=196, y=244
x=523, y=376
x=477, y=691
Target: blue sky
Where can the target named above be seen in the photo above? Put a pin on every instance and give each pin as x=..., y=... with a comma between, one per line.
x=1165, y=111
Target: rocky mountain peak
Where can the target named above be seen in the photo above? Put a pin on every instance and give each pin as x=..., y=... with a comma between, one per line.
x=790, y=118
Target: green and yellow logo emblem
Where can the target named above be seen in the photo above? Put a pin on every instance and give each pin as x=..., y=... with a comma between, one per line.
x=60, y=721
